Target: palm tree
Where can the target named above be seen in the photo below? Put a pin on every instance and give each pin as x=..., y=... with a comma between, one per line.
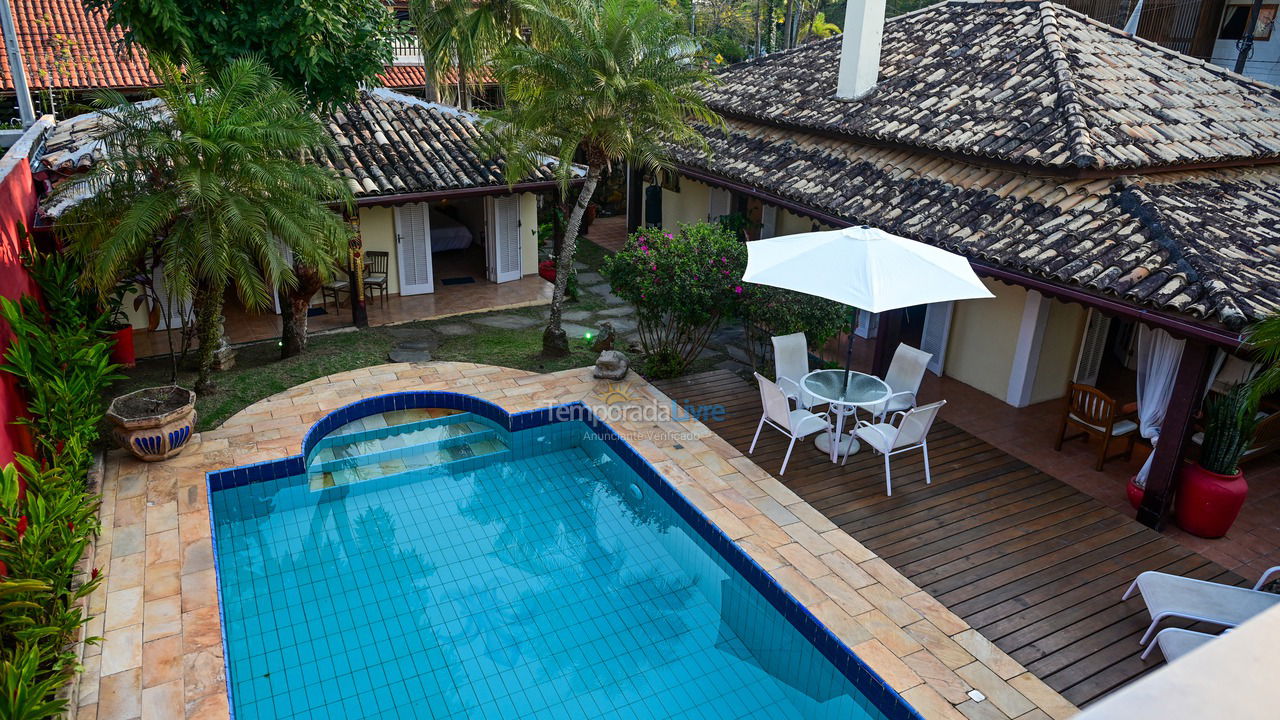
x=610, y=81
x=1264, y=335
x=464, y=36
x=211, y=183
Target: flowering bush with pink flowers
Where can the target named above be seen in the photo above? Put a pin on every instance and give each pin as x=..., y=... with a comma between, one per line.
x=682, y=283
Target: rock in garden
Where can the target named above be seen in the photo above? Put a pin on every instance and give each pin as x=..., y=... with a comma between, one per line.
x=604, y=340
x=611, y=365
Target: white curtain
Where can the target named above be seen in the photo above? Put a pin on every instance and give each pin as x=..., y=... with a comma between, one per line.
x=1158, y=357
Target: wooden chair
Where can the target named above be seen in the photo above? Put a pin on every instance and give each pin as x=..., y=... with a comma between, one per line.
x=1096, y=414
x=375, y=273
x=334, y=289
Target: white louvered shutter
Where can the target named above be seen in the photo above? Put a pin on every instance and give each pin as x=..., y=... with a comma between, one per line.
x=768, y=221
x=719, y=204
x=1092, y=348
x=936, y=332
x=413, y=245
x=172, y=312
x=505, y=230
x=867, y=325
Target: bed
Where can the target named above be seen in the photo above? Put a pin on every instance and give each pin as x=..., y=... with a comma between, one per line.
x=448, y=233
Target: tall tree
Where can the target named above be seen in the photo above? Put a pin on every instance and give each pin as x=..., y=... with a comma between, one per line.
x=325, y=49
x=212, y=184
x=461, y=37
x=606, y=81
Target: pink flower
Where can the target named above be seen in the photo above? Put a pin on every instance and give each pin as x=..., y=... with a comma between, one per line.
x=666, y=235
x=737, y=289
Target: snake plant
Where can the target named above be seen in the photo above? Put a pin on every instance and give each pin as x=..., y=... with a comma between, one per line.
x=1230, y=421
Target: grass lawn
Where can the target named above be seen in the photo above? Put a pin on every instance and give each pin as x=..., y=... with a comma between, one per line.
x=259, y=372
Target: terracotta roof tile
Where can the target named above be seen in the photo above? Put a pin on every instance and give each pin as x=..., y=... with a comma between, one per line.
x=66, y=47
x=385, y=143
x=1205, y=243
x=1026, y=82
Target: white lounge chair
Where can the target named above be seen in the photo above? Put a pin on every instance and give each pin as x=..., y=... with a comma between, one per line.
x=1175, y=596
x=791, y=364
x=1176, y=642
x=911, y=432
x=906, y=371
x=795, y=424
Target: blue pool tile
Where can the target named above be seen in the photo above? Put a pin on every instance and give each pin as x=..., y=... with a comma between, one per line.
x=548, y=582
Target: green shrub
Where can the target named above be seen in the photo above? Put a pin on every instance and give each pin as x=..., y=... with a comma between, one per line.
x=767, y=311
x=681, y=284
x=47, y=513
x=62, y=361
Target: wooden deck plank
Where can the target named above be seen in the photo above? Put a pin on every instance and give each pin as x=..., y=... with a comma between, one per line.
x=1035, y=565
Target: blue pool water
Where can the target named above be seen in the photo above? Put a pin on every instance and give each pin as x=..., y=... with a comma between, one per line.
x=433, y=565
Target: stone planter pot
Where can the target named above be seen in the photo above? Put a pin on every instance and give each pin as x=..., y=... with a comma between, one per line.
x=155, y=423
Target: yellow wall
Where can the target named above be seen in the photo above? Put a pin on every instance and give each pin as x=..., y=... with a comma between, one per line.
x=1058, y=350
x=690, y=205
x=983, y=336
x=790, y=223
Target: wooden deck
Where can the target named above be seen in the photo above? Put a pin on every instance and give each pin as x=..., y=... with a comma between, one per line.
x=1035, y=565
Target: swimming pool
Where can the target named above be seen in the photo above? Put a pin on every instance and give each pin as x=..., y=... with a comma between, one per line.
x=441, y=559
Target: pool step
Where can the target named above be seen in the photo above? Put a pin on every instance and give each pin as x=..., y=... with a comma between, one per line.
x=455, y=453
x=361, y=442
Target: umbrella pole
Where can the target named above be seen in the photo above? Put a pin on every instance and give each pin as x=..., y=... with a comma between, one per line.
x=848, y=353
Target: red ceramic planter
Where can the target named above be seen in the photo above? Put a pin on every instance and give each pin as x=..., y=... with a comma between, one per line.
x=1208, y=503
x=123, y=353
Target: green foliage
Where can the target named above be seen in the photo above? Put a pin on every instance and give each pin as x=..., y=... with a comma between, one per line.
x=767, y=311
x=1264, y=336
x=212, y=185
x=46, y=521
x=607, y=81
x=459, y=36
x=681, y=284
x=325, y=49
x=818, y=28
x=62, y=361
x=1230, y=421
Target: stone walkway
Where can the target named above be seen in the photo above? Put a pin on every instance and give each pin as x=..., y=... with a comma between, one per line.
x=724, y=351
x=162, y=654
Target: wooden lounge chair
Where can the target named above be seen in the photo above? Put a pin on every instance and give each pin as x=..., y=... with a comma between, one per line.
x=1096, y=414
x=1175, y=596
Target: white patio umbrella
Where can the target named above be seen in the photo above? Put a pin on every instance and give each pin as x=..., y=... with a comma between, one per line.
x=863, y=267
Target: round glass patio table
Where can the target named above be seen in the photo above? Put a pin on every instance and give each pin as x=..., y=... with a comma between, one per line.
x=845, y=393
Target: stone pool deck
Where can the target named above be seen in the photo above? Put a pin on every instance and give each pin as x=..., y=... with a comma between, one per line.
x=161, y=656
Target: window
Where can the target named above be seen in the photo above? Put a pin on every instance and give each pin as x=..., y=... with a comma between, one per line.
x=1237, y=17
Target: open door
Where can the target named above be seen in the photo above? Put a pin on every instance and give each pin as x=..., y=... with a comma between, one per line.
x=502, y=241
x=413, y=249
x=934, y=335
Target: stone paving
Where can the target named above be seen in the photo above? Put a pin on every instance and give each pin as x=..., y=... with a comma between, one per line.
x=158, y=610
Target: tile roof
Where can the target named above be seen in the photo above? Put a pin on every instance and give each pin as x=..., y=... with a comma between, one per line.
x=1205, y=243
x=66, y=47
x=384, y=144
x=1018, y=82
x=389, y=144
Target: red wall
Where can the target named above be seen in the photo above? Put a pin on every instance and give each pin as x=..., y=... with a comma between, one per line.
x=17, y=209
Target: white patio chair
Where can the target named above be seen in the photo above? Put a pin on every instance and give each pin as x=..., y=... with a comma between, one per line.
x=911, y=432
x=791, y=364
x=1169, y=596
x=795, y=424
x=906, y=371
x=1176, y=642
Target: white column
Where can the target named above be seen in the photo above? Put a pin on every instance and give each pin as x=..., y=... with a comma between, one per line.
x=1026, y=354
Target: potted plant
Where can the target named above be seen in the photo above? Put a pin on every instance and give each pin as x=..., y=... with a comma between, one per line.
x=1212, y=490
x=154, y=423
x=120, y=329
